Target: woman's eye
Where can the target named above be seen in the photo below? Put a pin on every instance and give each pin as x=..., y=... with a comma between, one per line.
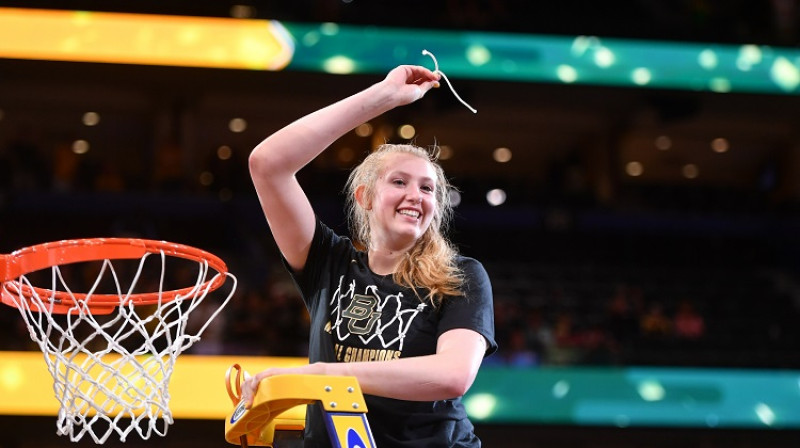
x=427, y=188
x=399, y=182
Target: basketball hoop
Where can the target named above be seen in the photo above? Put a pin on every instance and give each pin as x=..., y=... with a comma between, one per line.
x=111, y=350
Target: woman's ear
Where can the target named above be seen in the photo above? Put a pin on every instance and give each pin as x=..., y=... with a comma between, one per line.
x=361, y=198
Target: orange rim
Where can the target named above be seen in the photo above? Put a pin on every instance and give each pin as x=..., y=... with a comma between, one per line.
x=46, y=255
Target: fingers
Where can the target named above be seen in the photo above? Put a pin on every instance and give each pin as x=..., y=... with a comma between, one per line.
x=423, y=79
x=422, y=75
x=249, y=389
x=246, y=396
x=427, y=85
x=412, y=75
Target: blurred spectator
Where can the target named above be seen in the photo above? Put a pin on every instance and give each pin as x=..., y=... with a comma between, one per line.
x=505, y=314
x=654, y=324
x=688, y=323
x=519, y=354
x=169, y=175
x=65, y=166
x=596, y=348
x=623, y=317
x=109, y=178
x=567, y=342
x=539, y=336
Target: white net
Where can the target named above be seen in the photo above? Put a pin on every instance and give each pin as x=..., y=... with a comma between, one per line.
x=111, y=371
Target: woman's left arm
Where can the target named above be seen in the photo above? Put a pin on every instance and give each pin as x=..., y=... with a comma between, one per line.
x=448, y=373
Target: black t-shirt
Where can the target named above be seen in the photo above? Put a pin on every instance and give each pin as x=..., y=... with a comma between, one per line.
x=357, y=315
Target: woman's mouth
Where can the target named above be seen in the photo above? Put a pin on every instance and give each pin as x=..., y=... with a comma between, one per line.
x=412, y=213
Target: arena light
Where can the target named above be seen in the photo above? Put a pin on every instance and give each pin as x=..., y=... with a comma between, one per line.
x=632, y=396
x=26, y=386
x=147, y=39
x=240, y=43
x=480, y=406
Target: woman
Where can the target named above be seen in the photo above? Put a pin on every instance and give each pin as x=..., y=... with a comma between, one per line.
x=397, y=308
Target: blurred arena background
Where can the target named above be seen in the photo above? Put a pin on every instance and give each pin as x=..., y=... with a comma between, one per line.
x=641, y=237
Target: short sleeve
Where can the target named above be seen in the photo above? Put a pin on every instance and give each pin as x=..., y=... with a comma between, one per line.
x=475, y=309
x=327, y=249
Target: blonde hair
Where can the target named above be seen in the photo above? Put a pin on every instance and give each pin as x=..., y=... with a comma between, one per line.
x=431, y=263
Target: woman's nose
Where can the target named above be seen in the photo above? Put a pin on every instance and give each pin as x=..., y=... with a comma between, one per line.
x=414, y=195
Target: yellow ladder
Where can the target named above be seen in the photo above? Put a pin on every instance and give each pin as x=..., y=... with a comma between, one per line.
x=280, y=406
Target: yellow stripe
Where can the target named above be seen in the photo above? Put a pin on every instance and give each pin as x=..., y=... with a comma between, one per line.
x=197, y=389
x=143, y=39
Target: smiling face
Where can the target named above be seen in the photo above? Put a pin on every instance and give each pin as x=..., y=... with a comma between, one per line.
x=403, y=203
x=398, y=196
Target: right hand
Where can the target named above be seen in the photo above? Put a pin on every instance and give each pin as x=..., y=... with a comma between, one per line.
x=250, y=385
x=411, y=82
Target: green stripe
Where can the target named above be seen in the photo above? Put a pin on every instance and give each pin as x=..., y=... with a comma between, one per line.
x=548, y=59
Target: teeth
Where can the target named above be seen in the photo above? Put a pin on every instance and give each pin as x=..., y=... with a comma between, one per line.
x=411, y=213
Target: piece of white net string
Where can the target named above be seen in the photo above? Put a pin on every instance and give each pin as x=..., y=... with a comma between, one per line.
x=112, y=375
x=449, y=84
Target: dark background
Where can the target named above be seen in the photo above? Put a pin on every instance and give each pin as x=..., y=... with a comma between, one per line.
x=590, y=266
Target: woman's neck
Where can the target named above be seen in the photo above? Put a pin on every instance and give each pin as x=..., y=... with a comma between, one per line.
x=384, y=262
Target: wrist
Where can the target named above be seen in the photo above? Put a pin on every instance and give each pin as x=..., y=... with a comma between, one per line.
x=382, y=97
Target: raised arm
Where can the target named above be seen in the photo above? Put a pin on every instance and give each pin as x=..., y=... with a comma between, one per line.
x=275, y=162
